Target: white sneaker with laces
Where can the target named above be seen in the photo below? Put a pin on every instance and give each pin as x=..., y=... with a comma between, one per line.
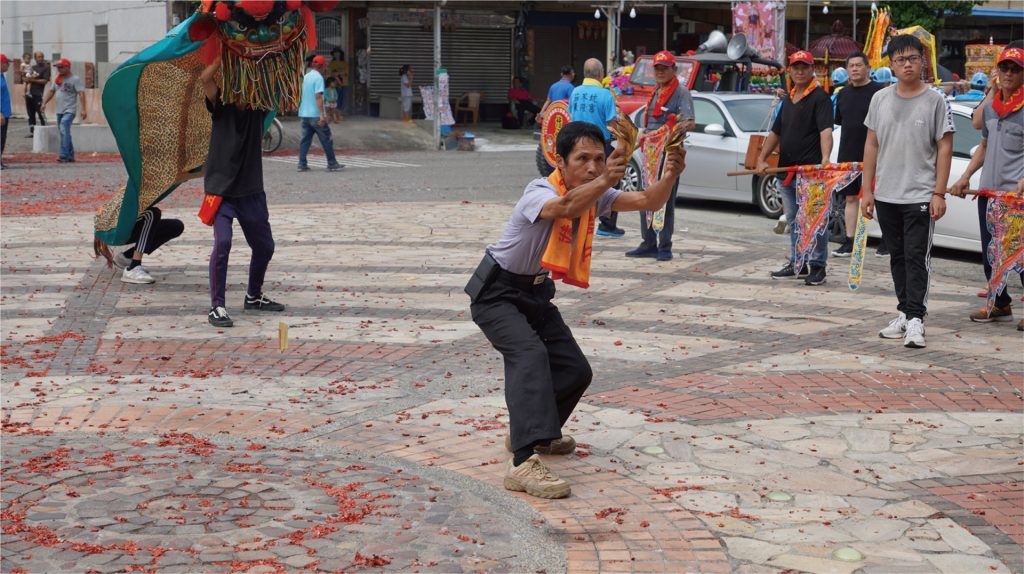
x=120, y=261
x=138, y=276
x=915, y=334
x=896, y=329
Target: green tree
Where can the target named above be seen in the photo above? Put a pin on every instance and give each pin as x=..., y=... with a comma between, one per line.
x=930, y=14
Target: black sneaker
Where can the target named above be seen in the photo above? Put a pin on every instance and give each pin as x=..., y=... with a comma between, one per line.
x=845, y=249
x=816, y=276
x=643, y=251
x=604, y=231
x=219, y=317
x=336, y=167
x=787, y=272
x=261, y=303
x=882, y=250
x=302, y=168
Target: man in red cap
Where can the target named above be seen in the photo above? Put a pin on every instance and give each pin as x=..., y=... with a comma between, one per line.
x=70, y=89
x=314, y=116
x=1001, y=152
x=670, y=97
x=803, y=132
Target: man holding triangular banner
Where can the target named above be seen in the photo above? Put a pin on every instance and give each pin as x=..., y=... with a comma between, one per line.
x=671, y=98
x=1000, y=156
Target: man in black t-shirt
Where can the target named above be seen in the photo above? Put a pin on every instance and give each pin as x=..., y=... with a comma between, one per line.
x=234, y=172
x=803, y=132
x=851, y=109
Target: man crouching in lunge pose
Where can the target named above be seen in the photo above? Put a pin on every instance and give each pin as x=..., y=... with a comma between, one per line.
x=551, y=229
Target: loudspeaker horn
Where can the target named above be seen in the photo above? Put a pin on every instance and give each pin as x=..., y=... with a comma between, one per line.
x=738, y=48
x=716, y=42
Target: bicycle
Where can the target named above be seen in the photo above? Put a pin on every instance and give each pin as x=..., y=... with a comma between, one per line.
x=273, y=137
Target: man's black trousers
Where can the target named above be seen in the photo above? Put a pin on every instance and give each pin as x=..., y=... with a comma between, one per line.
x=545, y=370
x=907, y=232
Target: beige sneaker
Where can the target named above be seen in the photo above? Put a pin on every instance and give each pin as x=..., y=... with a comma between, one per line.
x=564, y=445
x=535, y=479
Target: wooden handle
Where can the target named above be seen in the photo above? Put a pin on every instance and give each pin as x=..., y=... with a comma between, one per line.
x=771, y=170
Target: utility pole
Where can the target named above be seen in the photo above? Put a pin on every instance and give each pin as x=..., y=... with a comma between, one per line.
x=437, y=76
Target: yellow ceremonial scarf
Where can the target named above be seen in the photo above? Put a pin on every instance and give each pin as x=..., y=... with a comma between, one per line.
x=568, y=255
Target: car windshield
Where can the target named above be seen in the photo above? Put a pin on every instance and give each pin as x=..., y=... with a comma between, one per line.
x=751, y=115
x=643, y=72
x=966, y=137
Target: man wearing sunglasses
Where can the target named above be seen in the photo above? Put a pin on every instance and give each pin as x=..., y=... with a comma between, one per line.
x=1001, y=152
x=909, y=148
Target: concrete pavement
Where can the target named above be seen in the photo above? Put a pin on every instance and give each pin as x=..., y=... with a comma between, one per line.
x=734, y=424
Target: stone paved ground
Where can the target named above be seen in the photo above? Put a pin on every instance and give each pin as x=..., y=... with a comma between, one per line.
x=734, y=424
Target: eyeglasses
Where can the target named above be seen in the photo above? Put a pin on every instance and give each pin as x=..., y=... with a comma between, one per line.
x=1010, y=68
x=902, y=61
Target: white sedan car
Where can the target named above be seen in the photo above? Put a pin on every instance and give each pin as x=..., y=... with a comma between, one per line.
x=718, y=145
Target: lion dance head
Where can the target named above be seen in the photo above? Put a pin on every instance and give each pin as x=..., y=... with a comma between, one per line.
x=261, y=44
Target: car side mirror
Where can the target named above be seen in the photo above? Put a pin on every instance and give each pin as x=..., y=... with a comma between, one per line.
x=714, y=130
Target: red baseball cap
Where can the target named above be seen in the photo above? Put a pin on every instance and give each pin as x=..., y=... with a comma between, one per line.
x=319, y=60
x=664, y=58
x=801, y=56
x=64, y=62
x=1015, y=55
x=3, y=59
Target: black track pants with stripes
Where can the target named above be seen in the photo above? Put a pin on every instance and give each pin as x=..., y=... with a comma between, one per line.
x=907, y=231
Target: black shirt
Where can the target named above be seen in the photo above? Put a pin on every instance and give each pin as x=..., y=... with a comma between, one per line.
x=852, y=104
x=42, y=72
x=234, y=166
x=798, y=127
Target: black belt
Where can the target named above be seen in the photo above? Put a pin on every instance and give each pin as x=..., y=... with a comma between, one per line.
x=524, y=281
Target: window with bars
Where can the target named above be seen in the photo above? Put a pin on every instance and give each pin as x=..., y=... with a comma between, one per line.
x=102, y=44
x=26, y=42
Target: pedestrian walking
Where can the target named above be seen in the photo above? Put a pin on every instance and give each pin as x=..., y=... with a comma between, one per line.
x=234, y=172
x=313, y=113
x=151, y=231
x=561, y=90
x=851, y=107
x=1000, y=156
x=907, y=158
x=593, y=103
x=70, y=91
x=5, y=105
x=670, y=97
x=405, y=73
x=551, y=229
x=37, y=83
x=803, y=133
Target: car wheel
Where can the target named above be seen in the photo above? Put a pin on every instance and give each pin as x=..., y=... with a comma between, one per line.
x=631, y=178
x=543, y=166
x=836, y=219
x=768, y=196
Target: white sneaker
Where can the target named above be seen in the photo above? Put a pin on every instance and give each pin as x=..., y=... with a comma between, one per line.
x=138, y=276
x=781, y=225
x=120, y=261
x=896, y=329
x=915, y=334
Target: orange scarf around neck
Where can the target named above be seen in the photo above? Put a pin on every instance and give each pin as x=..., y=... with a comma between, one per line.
x=814, y=85
x=568, y=254
x=1011, y=105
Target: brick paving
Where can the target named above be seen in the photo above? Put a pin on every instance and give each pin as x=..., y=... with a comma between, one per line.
x=734, y=424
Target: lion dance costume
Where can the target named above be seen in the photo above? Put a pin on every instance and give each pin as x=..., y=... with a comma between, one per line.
x=154, y=102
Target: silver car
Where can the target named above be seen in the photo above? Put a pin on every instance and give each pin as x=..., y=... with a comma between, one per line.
x=717, y=146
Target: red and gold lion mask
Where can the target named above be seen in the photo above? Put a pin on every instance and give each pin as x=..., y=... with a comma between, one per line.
x=262, y=45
